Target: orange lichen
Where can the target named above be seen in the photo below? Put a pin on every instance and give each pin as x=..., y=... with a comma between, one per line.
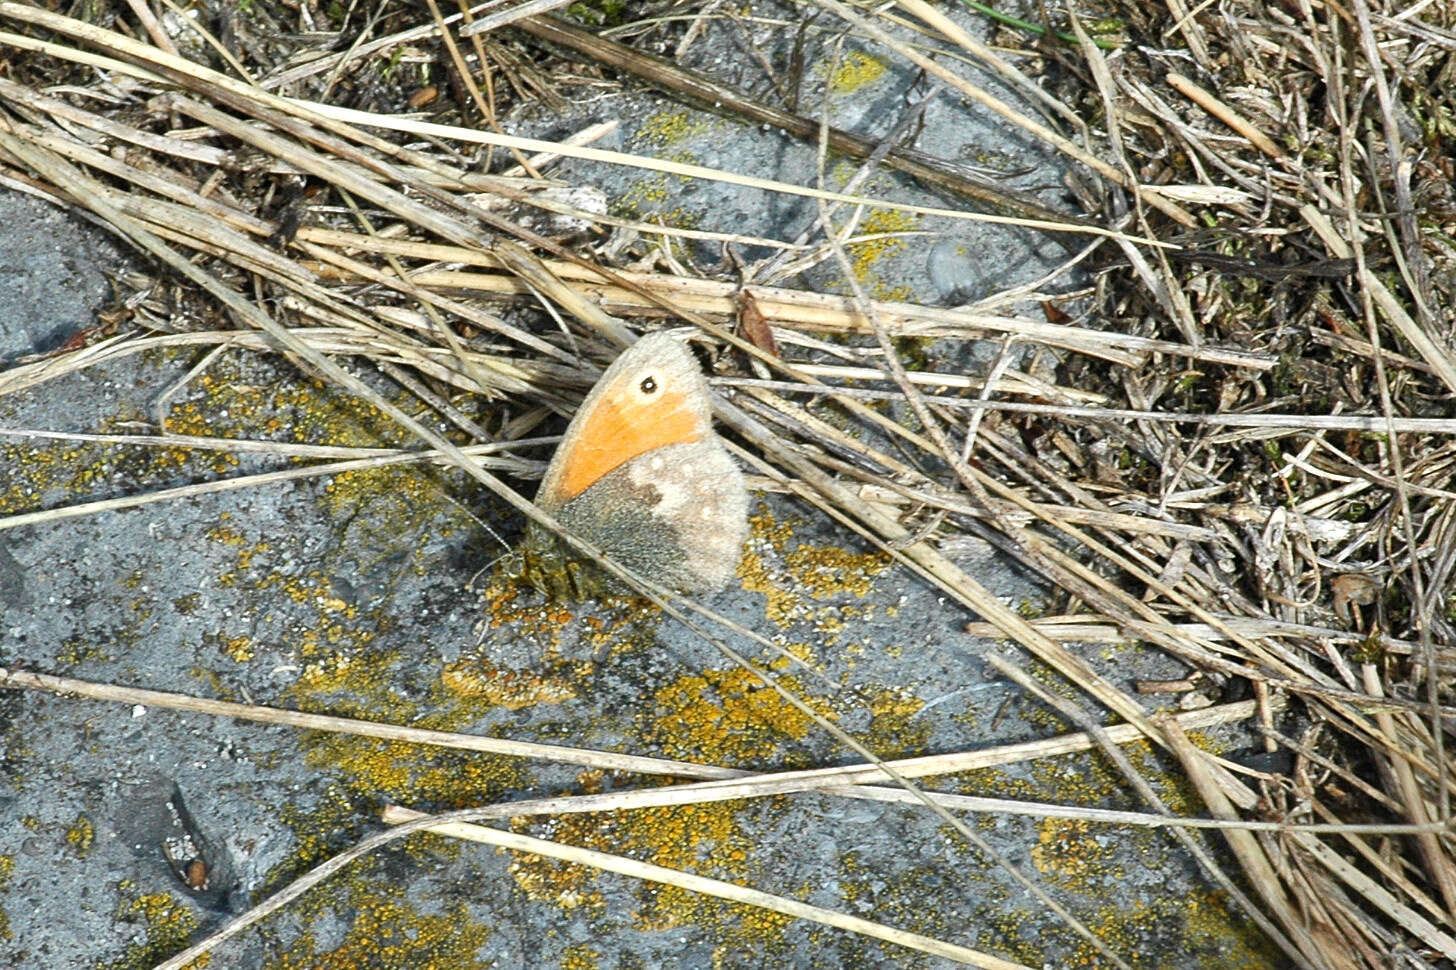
x=508, y=604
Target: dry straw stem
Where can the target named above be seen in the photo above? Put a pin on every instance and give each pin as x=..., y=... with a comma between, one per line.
x=862, y=781
x=1145, y=791
x=482, y=453
x=1439, y=358
x=1225, y=114
x=229, y=90
x=454, y=824
x=709, y=887
x=723, y=99
x=684, y=170
x=824, y=313
x=978, y=96
x=1314, y=942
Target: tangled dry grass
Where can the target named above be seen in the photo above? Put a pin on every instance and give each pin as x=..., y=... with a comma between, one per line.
x=1244, y=455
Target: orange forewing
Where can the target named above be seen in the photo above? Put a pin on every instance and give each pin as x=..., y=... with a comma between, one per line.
x=619, y=429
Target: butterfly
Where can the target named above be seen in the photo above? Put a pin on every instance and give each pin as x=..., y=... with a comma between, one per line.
x=641, y=474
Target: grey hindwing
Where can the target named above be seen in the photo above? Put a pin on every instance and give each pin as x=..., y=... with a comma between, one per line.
x=619, y=512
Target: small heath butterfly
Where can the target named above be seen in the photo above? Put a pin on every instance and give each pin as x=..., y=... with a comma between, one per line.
x=641, y=474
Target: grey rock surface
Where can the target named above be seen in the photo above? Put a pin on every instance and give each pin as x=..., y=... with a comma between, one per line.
x=52, y=276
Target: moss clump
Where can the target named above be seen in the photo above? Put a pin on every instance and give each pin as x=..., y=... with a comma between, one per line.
x=598, y=13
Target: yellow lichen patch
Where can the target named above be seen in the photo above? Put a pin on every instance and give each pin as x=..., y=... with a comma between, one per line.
x=866, y=256
x=647, y=199
x=782, y=602
x=580, y=956
x=903, y=896
x=239, y=649
x=826, y=570
x=194, y=418
x=514, y=611
x=1068, y=852
x=168, y=922
x=384, y=930
x=301, y=411
x=224, y=534
x=357, y=679
x=667, y=128
x=229, y=404
x=319, y=832
x=30, y=472
x=76, y=651
x=81, y=835
x=812, y=573
x=35, y=473
x=512, y=689
x=561, y=884
x=7, y=869
x=726, y=717
x=854, y=70
x=396, y=496
x=703, y=839
x=625, y=625
x=1209, y=931
x=1212, y=925
x=413, y=773
x=371, y=771
x=894, y=729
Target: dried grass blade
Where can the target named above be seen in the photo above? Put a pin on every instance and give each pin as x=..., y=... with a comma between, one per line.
x=709, y=887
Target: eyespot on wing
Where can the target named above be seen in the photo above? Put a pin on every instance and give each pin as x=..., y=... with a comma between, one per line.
x=652, y=396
